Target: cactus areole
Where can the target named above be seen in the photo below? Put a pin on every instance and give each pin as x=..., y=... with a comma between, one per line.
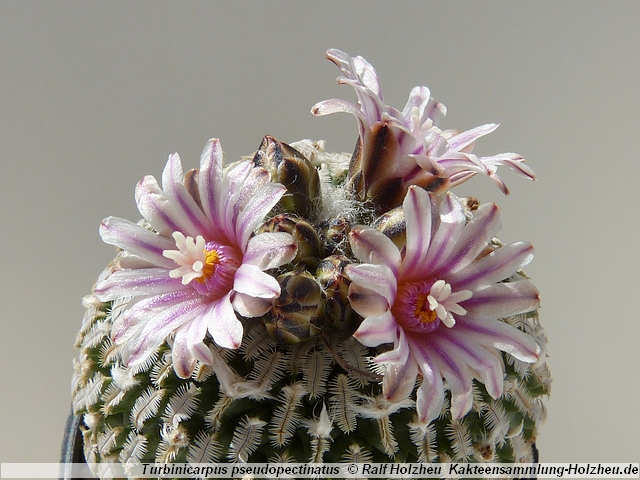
x=306, y=306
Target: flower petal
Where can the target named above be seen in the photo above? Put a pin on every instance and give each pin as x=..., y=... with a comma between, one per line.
x=474, y=238
x=446, y=226
x=157, y=209
x=192, y=218
x=366, y=302
x=230, y=200
x=223, y=325
x=270, y=250
x=430, y=395
x=464, y=139
x=196, y=332
x=163, y=314
x=427, y=108
x=399, y=381
x=467, y=349
x=210, y=183
x=184, y=363
x=372, y=246
x=377, y=278
x=495, y=267
x=399, y=354
x=417, y=213
x=255, y=210
x=497, y=334
x=457, y=374
x=503, y=299
x=376, y=330
x=512, y=160
x=252, y=281
x=250, y=307
x=144, y=281
x=335, y=105
x=137, y=240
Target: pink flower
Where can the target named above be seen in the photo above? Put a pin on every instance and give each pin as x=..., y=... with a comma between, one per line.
x=439, y=301
x=199, y=263
x=420, y=153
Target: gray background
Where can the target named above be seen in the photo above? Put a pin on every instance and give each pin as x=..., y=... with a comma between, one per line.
x=94, y=95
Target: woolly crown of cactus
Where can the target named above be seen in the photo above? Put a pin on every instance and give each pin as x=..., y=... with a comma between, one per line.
x=308, y=306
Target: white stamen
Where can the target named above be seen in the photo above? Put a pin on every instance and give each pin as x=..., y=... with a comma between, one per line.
x=444, y=302
x=190, y=256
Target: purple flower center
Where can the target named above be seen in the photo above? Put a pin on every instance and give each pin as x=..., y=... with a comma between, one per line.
x=211, y=265
x=219, y=269
x=422, y=306
x=412, y=310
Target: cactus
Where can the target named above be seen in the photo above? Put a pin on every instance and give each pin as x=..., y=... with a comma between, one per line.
x=304, y=306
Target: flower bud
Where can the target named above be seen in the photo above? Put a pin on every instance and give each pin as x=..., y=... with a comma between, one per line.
x=393, y=225
x=333, y=234
x=290, y=168
x=297, y=313
x=303, y=233
x=338, y=312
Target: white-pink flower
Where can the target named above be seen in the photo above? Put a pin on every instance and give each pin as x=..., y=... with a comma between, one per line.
x=201, y=262
x=440, y=301
x=424, y=149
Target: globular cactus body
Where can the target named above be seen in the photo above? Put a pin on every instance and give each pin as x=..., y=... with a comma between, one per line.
x=241, y=323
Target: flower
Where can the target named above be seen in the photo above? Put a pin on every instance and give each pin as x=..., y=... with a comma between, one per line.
x=198, y=264
x=401, y=148
x=439, y=301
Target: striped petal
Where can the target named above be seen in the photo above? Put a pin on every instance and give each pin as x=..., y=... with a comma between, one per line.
x=194, y=220
x=163, y=318
x=474, y=238
x=366, y=302
x=223, y=325
x=495, y=267
x=372, y=246
x=399, y=354
x=377, y=278
x=252, y=281
x=210, y=183
x=374, y=331
x=464, y=347
x=196, y=332
x=399, y=381
x=230, y=198
x=457, y=374
x=494, y=333
x=459, y=142
x=184, y=363
x=417, y=213
x=145, y=281
x=503, y=299
x=137, y=240
x=430, y=395
x=270, y=250
x=255, y=210
x=156, y=208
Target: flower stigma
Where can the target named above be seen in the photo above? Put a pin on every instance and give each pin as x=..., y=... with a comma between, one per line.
x=423, y=312
x=211, y=260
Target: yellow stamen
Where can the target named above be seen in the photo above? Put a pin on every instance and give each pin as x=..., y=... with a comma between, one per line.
x=211, y=260
x=422, y=310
